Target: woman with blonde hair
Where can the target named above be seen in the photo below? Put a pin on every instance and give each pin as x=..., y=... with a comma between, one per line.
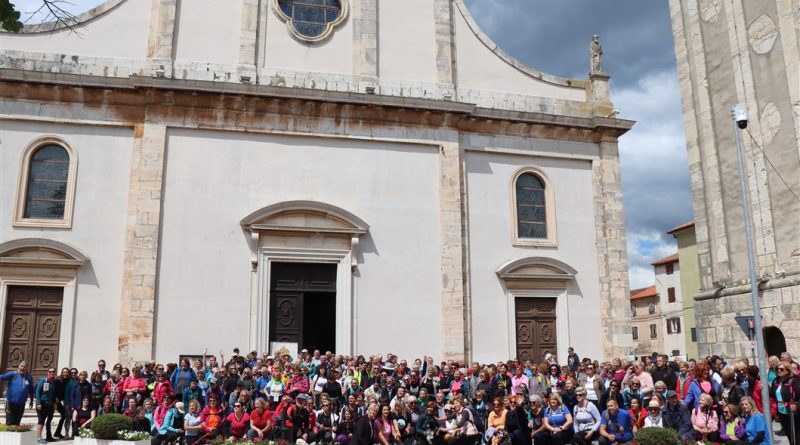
x=586, y=419
x=558, y=420
x=755, y=427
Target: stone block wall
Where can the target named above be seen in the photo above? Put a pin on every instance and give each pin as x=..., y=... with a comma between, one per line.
x=718, y=332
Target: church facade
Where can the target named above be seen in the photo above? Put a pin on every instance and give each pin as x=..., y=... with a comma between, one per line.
x=352, y=175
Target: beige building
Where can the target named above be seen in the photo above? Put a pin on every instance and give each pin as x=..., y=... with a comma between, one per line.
x=646, y=322
x=743, y=52
x=658, y=319
x=689, y=281
x=335, y=175
x=668, y=286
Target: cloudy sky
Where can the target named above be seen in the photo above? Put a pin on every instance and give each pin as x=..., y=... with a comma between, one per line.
x=553, y=36
x=638, y=53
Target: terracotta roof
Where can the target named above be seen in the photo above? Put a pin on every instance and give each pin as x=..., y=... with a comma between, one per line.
x=645, y=292
x=680, y=227
x=666, y=260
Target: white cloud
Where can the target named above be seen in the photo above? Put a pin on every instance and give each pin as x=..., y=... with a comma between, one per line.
x=655, y=177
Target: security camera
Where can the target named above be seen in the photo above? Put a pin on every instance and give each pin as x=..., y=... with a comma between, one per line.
x=740, y=115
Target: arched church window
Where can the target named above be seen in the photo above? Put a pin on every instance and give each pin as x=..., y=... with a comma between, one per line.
x=533, y=208
x=46, y=185
x=312, y=20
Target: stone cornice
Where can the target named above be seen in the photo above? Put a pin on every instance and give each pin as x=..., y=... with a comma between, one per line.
x=468, y=117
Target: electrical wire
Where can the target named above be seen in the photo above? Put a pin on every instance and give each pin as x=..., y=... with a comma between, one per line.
x=786, y=184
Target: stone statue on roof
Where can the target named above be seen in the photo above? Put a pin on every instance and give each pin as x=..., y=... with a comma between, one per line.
x=595, y=51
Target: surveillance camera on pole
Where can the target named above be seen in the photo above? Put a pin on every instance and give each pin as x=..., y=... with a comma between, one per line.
x=740, y=115
x=740, y=118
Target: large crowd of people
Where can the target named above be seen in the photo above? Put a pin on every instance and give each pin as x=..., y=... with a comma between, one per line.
x=329, y=399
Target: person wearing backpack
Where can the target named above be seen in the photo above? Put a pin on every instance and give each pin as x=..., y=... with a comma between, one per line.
x=785, y=390
x=45, y=403
x=19, y=387
x=558, y=420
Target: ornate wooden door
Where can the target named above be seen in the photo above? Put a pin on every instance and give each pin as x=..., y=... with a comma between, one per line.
x=293, y=286
x=32, y=328
x=535, y=328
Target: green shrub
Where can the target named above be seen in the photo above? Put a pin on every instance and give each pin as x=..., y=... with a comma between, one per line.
x=657, y=436
x=107, y=425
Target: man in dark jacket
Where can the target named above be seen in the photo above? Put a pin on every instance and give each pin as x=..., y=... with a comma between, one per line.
x=364, y=432
x=663, y=373
x=573, y=361
x=676, y=416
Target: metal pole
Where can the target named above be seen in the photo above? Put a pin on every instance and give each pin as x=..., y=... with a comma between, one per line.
x=751, y=260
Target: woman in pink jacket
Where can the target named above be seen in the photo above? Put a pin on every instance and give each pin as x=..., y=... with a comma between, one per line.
x=705, y=420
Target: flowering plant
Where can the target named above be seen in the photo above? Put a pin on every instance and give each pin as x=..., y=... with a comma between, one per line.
x=85, y=433
x=15, y=428
x=133, y=435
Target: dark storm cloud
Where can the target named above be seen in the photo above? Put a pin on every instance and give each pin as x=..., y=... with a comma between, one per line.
x=553, y=35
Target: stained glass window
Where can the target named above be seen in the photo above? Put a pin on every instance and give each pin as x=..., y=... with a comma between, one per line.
x=531, y=218
x=46, y=193
x=310, y=17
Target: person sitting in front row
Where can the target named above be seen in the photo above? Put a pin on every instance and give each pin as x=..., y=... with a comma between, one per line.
x=616, y=425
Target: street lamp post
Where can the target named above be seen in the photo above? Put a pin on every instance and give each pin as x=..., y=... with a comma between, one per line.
x=740, y=119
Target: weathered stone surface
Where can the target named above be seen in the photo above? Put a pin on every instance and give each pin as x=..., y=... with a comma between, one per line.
x=762, y=34
x=719, y=48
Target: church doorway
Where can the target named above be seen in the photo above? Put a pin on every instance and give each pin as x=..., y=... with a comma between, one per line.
x=32, y=328
x=774, y=342
x=303, y=305
x=535, y=328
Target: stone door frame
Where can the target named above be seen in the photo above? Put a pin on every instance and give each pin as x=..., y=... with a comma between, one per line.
x=345, y=297
x=537, y=277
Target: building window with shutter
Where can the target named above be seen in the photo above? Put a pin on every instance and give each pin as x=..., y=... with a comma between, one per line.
x=671, y=295
x=670, y=268
x=46, y=184
x=533, y=208
x=653, y=331
x=635, y=332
